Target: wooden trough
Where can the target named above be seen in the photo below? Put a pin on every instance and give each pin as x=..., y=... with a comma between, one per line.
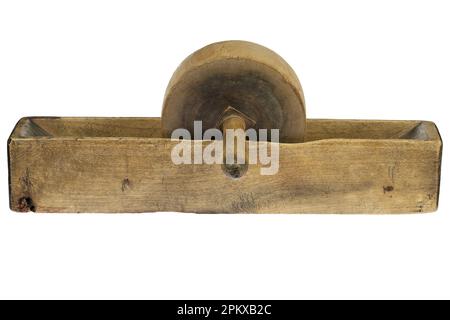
x=325, y=166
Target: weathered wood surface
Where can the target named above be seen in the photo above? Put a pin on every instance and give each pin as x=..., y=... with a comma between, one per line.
x=251, y=78
x=123, y=165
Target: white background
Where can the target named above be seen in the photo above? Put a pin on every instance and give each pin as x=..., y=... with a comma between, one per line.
x=355, y=59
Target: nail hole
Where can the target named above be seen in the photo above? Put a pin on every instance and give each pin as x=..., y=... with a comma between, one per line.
x=234, y=171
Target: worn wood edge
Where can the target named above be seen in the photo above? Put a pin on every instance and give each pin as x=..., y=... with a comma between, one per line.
x=441, y=147
x=154, y=122
x=23, y=121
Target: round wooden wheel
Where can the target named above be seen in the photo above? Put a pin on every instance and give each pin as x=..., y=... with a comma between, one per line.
x=251, y=79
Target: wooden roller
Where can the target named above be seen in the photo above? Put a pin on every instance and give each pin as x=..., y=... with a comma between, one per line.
x=242, y=75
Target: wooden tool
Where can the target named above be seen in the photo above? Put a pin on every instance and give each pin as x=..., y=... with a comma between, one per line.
x=324, y=166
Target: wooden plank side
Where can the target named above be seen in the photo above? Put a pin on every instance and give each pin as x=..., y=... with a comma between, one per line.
x=137, y=175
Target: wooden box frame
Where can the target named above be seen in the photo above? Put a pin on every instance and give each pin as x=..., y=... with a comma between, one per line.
x=123, y=165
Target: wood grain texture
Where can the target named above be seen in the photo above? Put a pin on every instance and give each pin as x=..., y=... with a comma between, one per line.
x=123, y=165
